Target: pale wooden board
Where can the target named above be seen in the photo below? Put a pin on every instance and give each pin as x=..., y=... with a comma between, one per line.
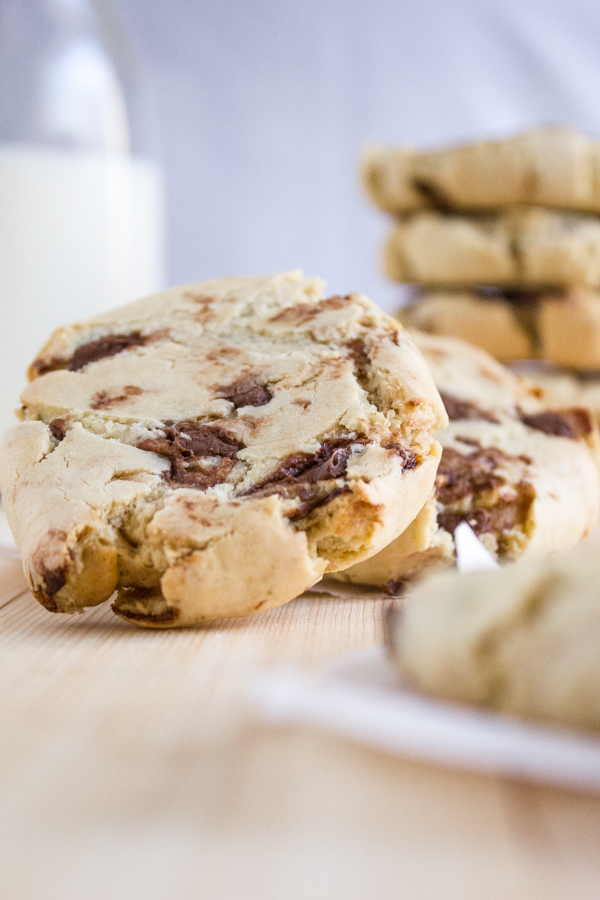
x=132, y=766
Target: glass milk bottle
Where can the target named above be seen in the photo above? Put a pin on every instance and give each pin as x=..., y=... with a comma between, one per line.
x=80, y=203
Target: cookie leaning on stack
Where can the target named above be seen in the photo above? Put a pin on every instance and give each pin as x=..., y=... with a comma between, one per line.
x=167, y=442
x=525, y=475
x=514, y=215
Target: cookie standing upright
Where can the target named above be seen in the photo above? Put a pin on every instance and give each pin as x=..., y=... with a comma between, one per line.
x=524, y=474
x=213, y=450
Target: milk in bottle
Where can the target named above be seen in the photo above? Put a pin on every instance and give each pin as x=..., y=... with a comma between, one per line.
x=80, y=205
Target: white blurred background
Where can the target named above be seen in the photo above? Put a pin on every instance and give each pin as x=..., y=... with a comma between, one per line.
x=196, y=139
x=262, y=105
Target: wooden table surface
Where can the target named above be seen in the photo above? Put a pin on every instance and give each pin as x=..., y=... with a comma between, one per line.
x=132, y=766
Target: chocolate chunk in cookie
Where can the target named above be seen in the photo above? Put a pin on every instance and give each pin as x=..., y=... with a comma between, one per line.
x=215, y=449
x=506, y=470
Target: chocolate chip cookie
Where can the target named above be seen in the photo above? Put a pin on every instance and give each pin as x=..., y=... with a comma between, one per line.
x=522, y=473
x=567, y=389
x=551, y=167
x=562, y=327
x=524, y=640
x=526, y=247
x=503, y=323
x=215, y=449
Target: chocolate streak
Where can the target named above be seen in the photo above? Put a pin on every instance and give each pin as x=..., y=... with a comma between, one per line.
x=360, y=356
x=515, y=296
x=460, y=475
x=245, y=392
x=130, y=596
x=105, y=347
x=463, y=475
x=465, y=409
x=53, y=578
x=53, y=581
x=573, y=423
x=93, y=351
x=329, y=461
x=312, y=499
x=432, y=194
x=103, y=400
x=58, y=428
x=187, y=443
x=168, y=616
x=498, y=518
x=301, y=313
x=299, y=474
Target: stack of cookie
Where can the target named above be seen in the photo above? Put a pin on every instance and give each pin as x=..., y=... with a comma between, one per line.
x=502, y=240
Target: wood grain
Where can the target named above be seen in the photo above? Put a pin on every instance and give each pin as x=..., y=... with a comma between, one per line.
x=132, y=766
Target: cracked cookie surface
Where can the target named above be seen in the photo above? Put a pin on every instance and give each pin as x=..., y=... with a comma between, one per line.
x=523, y=473
x=214, y=449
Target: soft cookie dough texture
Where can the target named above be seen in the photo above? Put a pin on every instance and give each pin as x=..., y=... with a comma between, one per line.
x=523, y=473
x=524, y=640
x=562, y=327
x=551, y=167
x=523, y=247
x=494, y=322
x=215, y=449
